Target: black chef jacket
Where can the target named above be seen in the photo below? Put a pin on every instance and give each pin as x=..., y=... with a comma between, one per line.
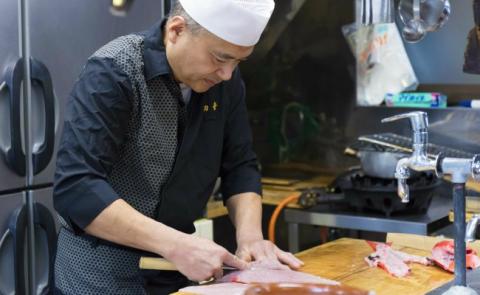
x=216, y=142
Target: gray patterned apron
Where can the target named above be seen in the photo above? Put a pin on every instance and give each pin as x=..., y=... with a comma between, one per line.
x=83, y=265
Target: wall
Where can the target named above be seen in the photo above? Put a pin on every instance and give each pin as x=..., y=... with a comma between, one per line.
x=307, y=70
x=305, y=74
x=438, y=59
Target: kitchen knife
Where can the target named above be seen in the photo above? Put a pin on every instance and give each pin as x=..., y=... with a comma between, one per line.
x=155, y=263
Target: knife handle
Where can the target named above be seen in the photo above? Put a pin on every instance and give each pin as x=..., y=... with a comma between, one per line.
x=156, y=264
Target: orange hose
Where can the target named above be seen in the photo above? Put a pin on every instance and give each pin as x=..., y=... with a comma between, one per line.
x=276, y=213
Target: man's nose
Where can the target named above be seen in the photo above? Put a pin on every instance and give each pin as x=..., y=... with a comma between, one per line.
x=225, y=71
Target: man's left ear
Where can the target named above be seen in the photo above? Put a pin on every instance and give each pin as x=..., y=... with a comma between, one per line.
x=175, y=27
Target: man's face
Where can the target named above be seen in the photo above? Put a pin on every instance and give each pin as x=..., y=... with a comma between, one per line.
x=200, y=60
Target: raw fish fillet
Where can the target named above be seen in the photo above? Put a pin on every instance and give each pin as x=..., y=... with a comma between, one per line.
x=217, y=289
x=393, y=261
x=273, y=272
x=443, y=255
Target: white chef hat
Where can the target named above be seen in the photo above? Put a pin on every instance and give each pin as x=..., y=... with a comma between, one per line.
x=240, y=22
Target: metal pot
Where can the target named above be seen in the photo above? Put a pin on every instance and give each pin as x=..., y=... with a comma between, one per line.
x=432, y=13
x=379, y=164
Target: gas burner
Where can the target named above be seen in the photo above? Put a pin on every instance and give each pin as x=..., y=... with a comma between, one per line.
x=365, y=193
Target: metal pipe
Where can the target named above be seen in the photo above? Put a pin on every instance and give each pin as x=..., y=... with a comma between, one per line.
x=460, y=227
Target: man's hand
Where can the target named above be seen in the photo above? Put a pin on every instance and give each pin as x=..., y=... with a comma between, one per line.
x=257, y=250
x=200, y=259
x=246, y=213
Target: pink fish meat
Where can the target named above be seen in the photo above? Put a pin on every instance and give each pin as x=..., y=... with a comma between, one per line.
x=443, y=254
x=272, y=272
x=393, y=261
x=217, y=289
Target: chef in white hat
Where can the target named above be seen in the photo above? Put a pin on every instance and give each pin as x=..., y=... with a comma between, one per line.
x=197, y=30
x=153, y=120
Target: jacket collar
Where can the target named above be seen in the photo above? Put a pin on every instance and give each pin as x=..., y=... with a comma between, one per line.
x=154, y=55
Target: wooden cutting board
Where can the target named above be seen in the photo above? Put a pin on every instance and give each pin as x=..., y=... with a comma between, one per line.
x=343, y=260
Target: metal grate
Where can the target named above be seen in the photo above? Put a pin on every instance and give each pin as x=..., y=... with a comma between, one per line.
x=391, y=142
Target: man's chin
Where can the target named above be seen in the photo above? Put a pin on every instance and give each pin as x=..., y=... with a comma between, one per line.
x=200, y=87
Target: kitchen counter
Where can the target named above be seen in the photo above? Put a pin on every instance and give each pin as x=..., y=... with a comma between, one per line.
x=343, y=260
x=274, y=191
x=414, y=223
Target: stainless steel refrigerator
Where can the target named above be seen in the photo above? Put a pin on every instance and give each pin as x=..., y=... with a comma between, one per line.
x=43, y=46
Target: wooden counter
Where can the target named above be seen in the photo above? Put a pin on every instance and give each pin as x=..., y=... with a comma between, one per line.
x=343, y=260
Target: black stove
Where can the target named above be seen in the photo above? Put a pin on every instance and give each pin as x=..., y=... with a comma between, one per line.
x=364, y=193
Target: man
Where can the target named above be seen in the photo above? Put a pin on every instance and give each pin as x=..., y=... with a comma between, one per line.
x=151, y=123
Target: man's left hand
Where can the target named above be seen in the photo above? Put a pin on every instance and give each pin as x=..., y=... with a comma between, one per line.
x=265, y=250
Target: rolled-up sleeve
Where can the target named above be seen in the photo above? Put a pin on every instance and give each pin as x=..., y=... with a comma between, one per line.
x=96, y=118
x=239, y=169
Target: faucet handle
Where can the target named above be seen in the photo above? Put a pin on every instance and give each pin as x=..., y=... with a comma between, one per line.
x=472, y=228
x=418, y=119
x=476, y=167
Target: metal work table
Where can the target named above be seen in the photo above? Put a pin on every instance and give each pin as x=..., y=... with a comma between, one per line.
x=473, y=281
x=417, y=223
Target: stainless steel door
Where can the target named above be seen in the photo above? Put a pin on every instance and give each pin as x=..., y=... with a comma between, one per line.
x=12, y=244
x=63, y=35
x=10, y=131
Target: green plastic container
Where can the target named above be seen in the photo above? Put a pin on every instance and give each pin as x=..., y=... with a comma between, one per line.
x=416, y=100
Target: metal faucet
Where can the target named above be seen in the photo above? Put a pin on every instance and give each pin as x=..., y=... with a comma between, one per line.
x=419, y=160
x=459, y=169
x=375, y=11
x=472, y=228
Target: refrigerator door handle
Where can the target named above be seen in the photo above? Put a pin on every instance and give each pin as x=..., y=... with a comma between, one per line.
x=18, y=227
x=41, y=75
x=44, y=220
x=14, y=156
x=14, y=241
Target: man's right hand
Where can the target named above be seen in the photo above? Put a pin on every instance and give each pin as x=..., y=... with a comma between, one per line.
x=200, y=259
x=197, y=258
